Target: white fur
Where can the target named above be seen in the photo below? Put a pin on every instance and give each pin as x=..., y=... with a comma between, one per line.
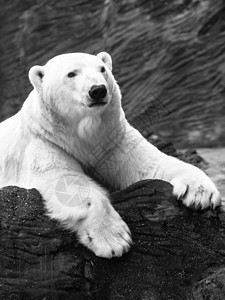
x=56, y=135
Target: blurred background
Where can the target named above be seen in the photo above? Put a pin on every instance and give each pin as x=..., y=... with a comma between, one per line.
x=168, y=58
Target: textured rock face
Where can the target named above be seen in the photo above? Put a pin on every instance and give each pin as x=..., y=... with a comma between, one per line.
x=168, y=58
x=37, y=258
x=216, y=166
x=176, y=253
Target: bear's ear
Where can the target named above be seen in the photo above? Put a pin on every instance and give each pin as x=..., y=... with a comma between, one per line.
x=36, y=75
x=106, y=58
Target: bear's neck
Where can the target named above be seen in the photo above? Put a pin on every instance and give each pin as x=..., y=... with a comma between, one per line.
x=97, y=137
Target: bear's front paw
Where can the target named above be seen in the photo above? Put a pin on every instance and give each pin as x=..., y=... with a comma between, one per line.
x=106, y=237
x=195, y=188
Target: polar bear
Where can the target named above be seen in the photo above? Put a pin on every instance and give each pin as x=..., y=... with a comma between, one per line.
x=71, y=132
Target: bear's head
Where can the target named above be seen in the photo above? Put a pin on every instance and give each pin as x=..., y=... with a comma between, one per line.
x=75, y=85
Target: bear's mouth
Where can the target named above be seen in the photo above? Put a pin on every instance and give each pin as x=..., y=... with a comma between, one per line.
x=97, y=103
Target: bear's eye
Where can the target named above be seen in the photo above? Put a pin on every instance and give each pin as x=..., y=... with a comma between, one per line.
x=71, y=74
x=103, y=69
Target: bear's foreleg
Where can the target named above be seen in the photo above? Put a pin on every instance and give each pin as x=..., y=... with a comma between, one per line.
x=82, y=206
x=138, y=159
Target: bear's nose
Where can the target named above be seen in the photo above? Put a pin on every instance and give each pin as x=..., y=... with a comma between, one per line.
x=98, y=92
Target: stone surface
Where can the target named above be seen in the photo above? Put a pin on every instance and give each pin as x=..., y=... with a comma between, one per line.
x=216, y=166
x=211, y=287
x=175, y=250
x=168, y=57
x=38, y=260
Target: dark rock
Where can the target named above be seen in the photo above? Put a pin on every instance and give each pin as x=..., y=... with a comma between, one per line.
x=175, y=250
x=211, y=287
x=190, y=156
x=38, y=259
